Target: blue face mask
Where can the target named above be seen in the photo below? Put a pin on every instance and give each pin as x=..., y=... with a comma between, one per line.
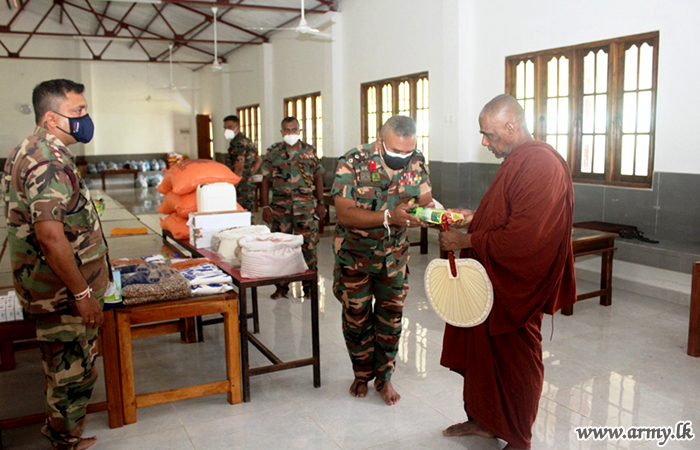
x=81, y=128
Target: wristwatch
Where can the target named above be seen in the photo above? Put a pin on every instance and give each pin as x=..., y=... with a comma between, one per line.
x=321, y=202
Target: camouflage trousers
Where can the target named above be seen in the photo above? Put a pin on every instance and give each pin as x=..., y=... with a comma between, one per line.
x=245, y=195
x=68, y=353
x=290, y=218
x=371, y=328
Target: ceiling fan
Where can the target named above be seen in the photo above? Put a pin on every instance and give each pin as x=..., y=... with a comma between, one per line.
x=172, y=86
x=215, y=65
x=303, y=29
x=148, y=97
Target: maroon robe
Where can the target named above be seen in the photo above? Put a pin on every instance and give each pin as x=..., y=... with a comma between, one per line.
x=521, y=233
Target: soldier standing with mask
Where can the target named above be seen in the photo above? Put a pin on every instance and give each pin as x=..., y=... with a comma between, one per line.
x=58, y=255
x=293, y=171
x=373, y=190
x=243, y=159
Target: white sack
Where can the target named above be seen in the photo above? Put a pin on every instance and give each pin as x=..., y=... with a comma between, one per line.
x=226, y=242
x=271, y=255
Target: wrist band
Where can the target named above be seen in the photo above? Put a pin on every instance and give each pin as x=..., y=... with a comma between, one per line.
x=387, y=216
x=266, y=206
x=83, y=295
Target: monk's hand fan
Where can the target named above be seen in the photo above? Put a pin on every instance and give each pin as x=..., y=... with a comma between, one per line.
x=459, y=290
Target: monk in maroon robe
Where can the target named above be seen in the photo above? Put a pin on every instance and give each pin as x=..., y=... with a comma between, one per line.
x=521, y=233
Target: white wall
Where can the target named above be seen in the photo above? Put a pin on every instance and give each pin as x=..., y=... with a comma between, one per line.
x=509, y=27
x=125, y=123
x=300, y=67
x=18, y=80
x=390, y=38
x=242, y=85
x=288, y=66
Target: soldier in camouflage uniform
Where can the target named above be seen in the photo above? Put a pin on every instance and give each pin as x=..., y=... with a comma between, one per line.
x=293, y=171
x=58, y=255
x=375, y=185
x=244, y=160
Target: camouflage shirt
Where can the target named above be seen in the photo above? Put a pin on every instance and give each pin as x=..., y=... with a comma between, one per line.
x=362, y=176
x=41, y=182
x=291, y=172
x=241, y=146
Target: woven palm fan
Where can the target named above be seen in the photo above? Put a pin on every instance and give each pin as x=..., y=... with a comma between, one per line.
x=459, y=290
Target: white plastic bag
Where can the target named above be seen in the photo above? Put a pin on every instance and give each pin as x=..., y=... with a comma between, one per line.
x=271, y=255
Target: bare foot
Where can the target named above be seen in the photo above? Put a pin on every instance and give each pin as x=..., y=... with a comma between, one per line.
x=86, y=443
x=389, y=394
x=279, y=293
x=358, y=388
x=466, y=428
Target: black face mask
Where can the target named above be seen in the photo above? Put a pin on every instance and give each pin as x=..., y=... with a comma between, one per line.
x=395, y=162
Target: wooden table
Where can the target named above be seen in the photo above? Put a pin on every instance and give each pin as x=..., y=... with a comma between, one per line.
x=243, y=284
x=105, y=173
x=123, y=318
x=591, y=242
x=694, y=326
x=107, y=348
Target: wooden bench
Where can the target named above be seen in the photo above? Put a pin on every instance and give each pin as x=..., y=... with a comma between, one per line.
x=108, y=173
x=21, y=335
x=590, y=242
x=123, y=318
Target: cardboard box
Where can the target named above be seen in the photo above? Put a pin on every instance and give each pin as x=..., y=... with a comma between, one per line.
x=204, y=225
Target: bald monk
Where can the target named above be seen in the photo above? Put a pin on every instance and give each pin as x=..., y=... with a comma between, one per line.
x=521, y=233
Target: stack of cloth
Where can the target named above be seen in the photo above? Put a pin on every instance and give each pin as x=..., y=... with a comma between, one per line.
x=207, y=279
x=145, y=283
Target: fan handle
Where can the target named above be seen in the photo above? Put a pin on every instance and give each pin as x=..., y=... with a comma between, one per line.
x=450, y=254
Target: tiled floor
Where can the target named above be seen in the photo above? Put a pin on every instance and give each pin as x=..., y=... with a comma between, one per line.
x=623, y=365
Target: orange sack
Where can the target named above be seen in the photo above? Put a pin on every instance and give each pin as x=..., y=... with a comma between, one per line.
x=184, y=177
x=176, y=225
x=183, y=205
x=169, y=203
